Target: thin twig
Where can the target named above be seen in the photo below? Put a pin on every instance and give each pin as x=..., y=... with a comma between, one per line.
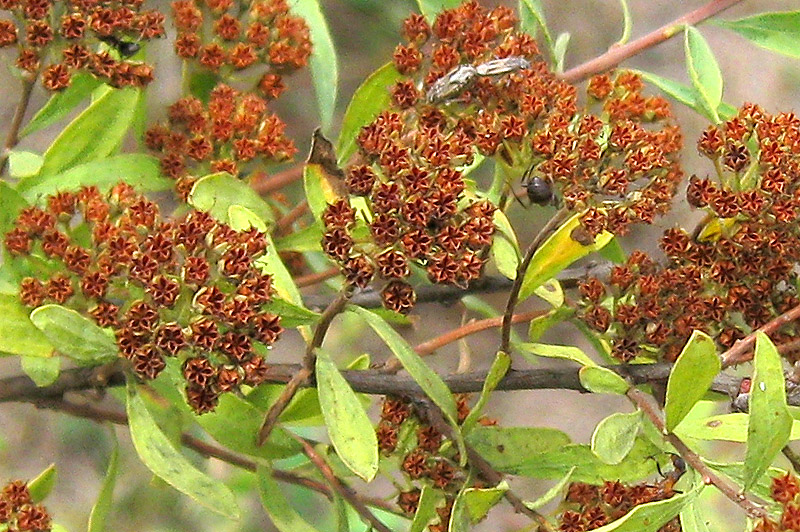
x=285, y=222
x=264, y=183
x=204, y=448
x=344, y=491
x=742, y=350
x=617, y=54
x=513, y=296
x=317, y=277
x=728, y=488
x=393, y=365
x=484, y=468
x=12, y=138
x=307, y=369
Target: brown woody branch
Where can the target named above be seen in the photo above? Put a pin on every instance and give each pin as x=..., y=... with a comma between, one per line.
x=617, y=54
x=264, y=183
x=742, y=350
x=12, y=138
x=204, y=448
x=378, y=382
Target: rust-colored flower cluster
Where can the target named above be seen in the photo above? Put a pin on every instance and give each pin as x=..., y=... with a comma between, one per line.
x=17, y=511
x=187, y=288
x=226, y=36
x=58, y=39
x=403, y=431
x=588, y=507
x=618, y=166
x=232, y=132
x=784, y=490
x=735, y=273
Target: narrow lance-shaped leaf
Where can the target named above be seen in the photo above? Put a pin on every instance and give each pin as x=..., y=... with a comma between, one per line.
x=692, y=375
x=703, y=71
x=76, y=336
x=426, y=509
x=95, y=133
x=41, y=486
x=685, y=95
x=319, y=191
x=770, y=422
x=776, y=31
x=160, y=457
x=556, y=253
x=349, y=428
x=496, y=373
x=505, y=447
x=323, y=61
x=368, y=101
x=472, y=505
x=431, y=383
x=532, y=19
x=63, y=102
x=551, y=494
x=283, y=516
x=613, y=438
x=566, y=352
x=141, y=171
x=102, y=507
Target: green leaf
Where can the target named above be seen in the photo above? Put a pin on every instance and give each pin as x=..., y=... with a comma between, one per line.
x=613, y=438
x=505, y=447
x=41, y=486
x=349, y=428
x=770, y=422
x=136, y=169
x=42, y=370
x=95, y=133
x=102, y=507
x=551, y=292
x=627, y=22
x=283, y=280
x=235, y=423
x=305, y=239
x=614, y=251
x=160, y=457
x=291, y=315
x=18, y=336
x=560, y=51
x=505, y=248
x=776, y=31
x=280, y=512
x=554, y=464
x=556, y=253
x=552, y=494
x=566, y=352
x=62, y=103
x=324, y=70
x=216, y=193
x=319, y=191
x=691, y=376
x=428, y=380
x=368, y=101
x=736, y=471
x=692, y=519
x=532, y=20
x=652, y=516
x=498, y=370
x=201, y=83
x=703, y=71
x=431, y=8
x=75, y=335
x=11, y=203
x=598, y=379
x=686, y=95
x=724, y=427
x=23, y=163
x=426, y=509
x=472, y=505
x=542, y=324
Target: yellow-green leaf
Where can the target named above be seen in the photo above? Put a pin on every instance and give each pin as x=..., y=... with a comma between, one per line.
x=692, y=375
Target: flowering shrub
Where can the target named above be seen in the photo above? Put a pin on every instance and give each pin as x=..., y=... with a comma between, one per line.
x=172, y=269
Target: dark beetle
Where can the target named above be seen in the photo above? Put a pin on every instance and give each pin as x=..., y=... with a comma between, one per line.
x=125, y=48
x=537, y=188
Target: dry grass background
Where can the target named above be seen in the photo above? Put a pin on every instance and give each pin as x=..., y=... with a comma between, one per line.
x=365, y=32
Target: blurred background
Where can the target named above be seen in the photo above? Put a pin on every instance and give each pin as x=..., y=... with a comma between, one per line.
x=365, y=33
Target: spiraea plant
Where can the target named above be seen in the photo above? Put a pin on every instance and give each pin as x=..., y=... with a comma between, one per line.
x=162, y=267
